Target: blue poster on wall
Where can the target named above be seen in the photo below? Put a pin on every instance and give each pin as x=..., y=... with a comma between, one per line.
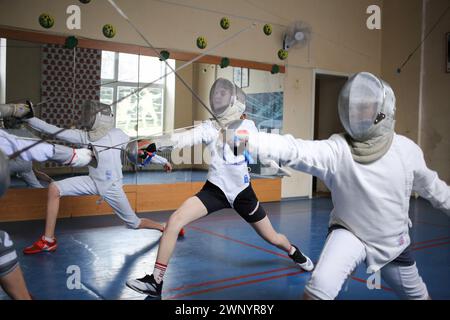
x=266, y=110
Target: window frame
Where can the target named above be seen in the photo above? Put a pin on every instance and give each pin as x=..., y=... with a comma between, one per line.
x=115, y=84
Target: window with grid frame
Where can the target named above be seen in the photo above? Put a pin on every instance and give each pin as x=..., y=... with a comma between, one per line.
x=139, y=114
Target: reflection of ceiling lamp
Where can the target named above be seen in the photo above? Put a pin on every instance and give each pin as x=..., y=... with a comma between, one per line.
x=275, y=69
x=164, y=55
x=297, y=34
x=225, y=62
x=71, y=42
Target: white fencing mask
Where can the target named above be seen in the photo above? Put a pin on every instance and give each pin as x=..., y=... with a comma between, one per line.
x=367, y=112
x=98, y=119
x=227, y=100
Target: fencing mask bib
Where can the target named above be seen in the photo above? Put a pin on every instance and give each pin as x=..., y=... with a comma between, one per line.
x=227, y=100
x=98, y=119
x=367, y=111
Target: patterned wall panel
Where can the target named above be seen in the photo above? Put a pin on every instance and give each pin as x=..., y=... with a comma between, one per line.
x=68, y=89
x=69, y=77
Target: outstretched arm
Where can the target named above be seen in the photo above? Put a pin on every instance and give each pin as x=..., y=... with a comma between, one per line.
x=314, y=157
x=203, y=133
x=162, y=161
x=69, y=135
x=43, y=151
x=428, y=185
x=10, y=144
x=159, y=160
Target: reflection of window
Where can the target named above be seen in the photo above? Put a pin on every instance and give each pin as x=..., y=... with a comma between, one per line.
x=141, y=113
x=2, y=70
x=241, y=77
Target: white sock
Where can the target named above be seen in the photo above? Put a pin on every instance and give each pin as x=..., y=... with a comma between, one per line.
x=292, y=250
x=49, y=239
x=158, y=272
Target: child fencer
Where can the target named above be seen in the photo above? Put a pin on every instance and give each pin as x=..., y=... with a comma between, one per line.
x=227, y=186
x=371, y=172
x=11, y=277
x=105, y=180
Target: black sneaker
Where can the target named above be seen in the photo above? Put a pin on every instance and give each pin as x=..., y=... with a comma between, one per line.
x=146, y=285
x=301, y=260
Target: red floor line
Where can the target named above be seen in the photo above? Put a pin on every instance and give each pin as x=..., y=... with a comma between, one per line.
x=238, y=241
x=432, y=246
x=270, y=271
x=428, y=241
x=207, y=283
x=235, y=285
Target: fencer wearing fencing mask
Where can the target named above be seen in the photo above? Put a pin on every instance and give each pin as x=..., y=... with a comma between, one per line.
x=371, y=172
x=367, y=109
x=98, y=119
x=227, y=101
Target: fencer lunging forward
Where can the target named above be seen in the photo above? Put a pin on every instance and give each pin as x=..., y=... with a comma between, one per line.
x=371, y=172
x=11, y=277
x=227, y=186
x=104, y=180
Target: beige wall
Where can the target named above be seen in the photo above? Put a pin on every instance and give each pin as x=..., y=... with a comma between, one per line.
x=340, y=41
x=435, y=104
x=422, y=88
x=402, y=24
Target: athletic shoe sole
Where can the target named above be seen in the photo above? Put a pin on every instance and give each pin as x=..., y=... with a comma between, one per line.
x=41, y=251
x=153, y=295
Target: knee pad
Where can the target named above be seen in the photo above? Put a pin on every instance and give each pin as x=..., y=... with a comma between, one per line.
x=8, y=255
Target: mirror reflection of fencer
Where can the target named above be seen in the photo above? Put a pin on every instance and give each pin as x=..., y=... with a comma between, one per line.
x=105, y=175
x=11, y=144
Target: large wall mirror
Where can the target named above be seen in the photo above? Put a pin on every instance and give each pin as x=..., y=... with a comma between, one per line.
x=59, y=80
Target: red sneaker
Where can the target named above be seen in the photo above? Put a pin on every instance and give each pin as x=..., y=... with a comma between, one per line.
x=41, y=245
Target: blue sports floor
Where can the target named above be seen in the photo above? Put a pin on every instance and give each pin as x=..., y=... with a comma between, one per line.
x=221, y=257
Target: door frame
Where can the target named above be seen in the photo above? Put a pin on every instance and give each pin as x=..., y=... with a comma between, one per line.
x=315, y=73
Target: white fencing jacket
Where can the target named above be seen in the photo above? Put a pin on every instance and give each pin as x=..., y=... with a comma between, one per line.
x=109, y=169
x=370, y=200
x=227, y=171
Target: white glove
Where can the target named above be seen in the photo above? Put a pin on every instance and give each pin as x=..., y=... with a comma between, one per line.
x=81, y=157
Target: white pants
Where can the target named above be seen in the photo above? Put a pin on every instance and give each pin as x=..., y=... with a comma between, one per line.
x=10, y=143
x=115, y=197
x=24, y=170
x=342, y=253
